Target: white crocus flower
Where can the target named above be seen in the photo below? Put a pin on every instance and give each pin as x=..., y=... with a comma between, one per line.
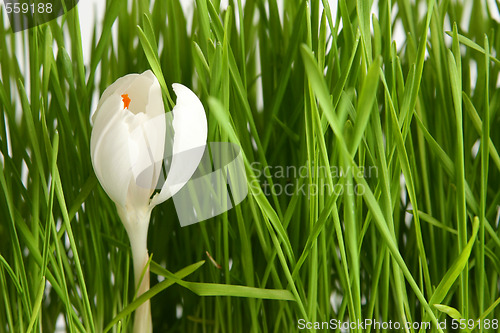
x=127, y=150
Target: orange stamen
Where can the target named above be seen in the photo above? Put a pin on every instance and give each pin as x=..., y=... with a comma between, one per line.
x=126, y=101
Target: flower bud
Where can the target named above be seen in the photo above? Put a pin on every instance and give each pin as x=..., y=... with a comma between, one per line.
x=127, y=139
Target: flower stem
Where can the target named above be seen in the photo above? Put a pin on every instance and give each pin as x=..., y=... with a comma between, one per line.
x=142, y=322
x=136, y=223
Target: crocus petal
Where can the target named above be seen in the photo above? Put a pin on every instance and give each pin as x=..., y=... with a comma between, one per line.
x=145, y=95
x=143, y=89
x=190, y=139
x=119, y=85
x=146, y=148
x=110, y=158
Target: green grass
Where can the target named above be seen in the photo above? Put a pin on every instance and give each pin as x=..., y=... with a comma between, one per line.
x=305, y=90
